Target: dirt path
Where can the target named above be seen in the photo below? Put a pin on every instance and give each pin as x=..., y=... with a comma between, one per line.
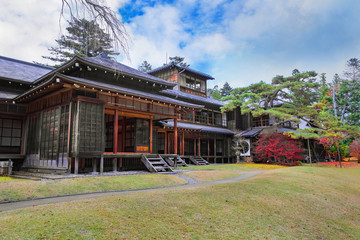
x=74, y=197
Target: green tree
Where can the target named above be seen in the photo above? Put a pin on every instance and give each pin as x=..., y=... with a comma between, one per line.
x=293, y=99
x=102, y=15
x=215, y=92
x=179, y=61
x=226, y=90
x=145, y=67
x=353, y=69
x=286, y=98
x=345, y=95
x=85, y=38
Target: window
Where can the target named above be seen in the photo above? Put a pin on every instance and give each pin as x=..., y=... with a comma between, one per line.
x=109, y=132
x=10, y=135
x=261, y=121
x=190, y=83
x=142, y=132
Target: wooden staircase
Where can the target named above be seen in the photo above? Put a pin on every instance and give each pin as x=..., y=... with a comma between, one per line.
x=198, y=160
x=155, y=163
x=180, y=162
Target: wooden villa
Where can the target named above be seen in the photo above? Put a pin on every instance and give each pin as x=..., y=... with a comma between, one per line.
x=93, y=114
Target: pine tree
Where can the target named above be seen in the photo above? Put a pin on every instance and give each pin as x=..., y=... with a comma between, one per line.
x=85, y=38
x=353, y=69
x=226, y=90
x=145, y=67
x=179, y=61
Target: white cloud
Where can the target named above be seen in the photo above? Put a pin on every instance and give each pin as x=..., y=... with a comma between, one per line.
x=27, y=30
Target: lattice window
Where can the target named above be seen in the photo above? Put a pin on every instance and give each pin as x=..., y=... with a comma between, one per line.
x=10, y=135
x=50, y=134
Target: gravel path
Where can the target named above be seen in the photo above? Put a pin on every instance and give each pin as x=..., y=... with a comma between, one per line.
x=74, y=197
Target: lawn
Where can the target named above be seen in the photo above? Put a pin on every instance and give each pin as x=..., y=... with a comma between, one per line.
x=33, y=189
x=210, y=175
x=9, y=179
x=289, y=203
x=237, y=166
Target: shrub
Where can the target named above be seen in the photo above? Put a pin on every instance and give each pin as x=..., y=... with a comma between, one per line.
x=277, y=148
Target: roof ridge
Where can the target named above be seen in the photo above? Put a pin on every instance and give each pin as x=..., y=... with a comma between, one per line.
x=186, y=68
x=24, y=62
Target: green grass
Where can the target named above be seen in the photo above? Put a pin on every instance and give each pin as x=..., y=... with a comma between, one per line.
x=33, y=189
x=289, y=203
x=234, y=167
x=210, y=175
x=8, y=179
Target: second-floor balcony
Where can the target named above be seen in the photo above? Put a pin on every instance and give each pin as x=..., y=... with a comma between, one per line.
x=206, y=120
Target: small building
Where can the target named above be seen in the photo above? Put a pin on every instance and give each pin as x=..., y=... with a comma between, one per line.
x=94, y=114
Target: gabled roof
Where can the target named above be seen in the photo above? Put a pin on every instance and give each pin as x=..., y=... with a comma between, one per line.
x=113, y=88
x=206, y=100
x=13, y=69
x=101, y=61
x=172, y=64
x=201, y=128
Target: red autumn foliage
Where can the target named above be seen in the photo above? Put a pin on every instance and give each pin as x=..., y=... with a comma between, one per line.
x=277, y=148
x=354, y=148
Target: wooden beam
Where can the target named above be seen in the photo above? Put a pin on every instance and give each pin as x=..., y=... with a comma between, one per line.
x=116, y=131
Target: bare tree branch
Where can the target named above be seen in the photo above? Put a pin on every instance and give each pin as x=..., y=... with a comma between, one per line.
x=103, y=15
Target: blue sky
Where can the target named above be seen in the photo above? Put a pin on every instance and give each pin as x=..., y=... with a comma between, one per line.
x=238, y=41
x=245, y=41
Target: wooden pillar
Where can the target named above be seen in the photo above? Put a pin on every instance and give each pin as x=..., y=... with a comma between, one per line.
x=215, y=149
x=208, y=148
x=116, y=131
x=151, y=135
x=193, y=116
x=229, y=149
x=199, y=153
x=76, y=165
x=114, y=163
x=175, y=137
x=101, y=164
x=166, y=143
x=123, y=135
x=183, y=144
x=94, y=165
x=194, y=146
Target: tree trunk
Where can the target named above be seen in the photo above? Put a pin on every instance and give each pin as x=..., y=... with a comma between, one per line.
x=339, y=154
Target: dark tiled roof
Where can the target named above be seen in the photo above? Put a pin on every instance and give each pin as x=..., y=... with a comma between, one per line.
x=116, y=88
x=114, y=65
x=201, y=128
x=206, y=100
x=251, y=133
x=179, y=67
x=20, y=70
x=8, y=95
